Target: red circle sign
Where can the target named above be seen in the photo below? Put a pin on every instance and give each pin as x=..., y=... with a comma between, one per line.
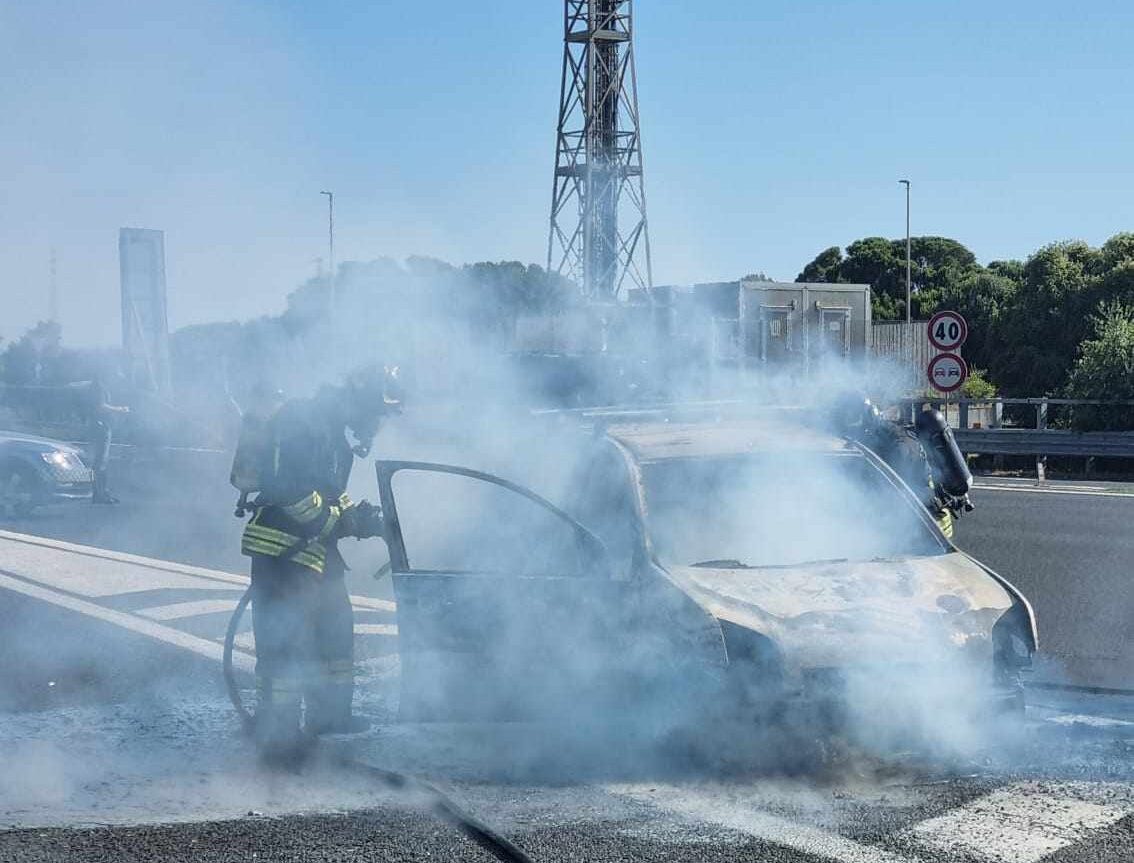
x=946, y=372
x=947, y=331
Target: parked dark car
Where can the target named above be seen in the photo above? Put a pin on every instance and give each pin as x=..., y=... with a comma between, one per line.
x=36, y=471
x=762, y=553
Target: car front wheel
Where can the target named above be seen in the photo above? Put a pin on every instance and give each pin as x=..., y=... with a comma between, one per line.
x=18, y=491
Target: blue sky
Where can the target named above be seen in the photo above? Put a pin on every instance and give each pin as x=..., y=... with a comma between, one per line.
x=772, y=130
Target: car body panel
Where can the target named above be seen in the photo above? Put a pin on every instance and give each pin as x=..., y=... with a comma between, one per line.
x=64, y=477
x=825, y=615
x=474, y=643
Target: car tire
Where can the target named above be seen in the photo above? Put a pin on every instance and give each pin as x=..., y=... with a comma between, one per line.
x=19, y=491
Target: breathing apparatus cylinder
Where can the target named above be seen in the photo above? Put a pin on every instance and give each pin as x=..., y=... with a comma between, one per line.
x=950, y=471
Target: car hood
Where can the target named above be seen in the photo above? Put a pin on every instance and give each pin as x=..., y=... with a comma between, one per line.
x=33, y=443
x=838, y=614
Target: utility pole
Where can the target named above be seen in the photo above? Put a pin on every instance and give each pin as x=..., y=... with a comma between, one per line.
x=53, y=292
x=331, y=241
x=598, y=156
x=906, y=183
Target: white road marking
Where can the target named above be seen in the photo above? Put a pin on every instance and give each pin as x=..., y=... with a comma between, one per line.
x=367, y=603
x=1088, y=719
x=96, y=572
x=375, y=629
x=1037, y=490
x=247, y=642
x=121, y=557
x=1020, y=824
x=723, y=811
x=92, y=576
x=150, y=629
x=179, y=610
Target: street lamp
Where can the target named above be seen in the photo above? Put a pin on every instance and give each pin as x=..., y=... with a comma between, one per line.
x=906, y=183
x=331, y=240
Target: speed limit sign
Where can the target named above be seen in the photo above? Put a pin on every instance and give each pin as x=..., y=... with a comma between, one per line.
x=947, y=331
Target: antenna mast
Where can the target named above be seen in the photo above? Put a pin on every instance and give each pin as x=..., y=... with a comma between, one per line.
x=598, y=156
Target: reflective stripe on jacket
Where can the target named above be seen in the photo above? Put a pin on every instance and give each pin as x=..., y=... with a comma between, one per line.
x=945, y=522
x=298, y=531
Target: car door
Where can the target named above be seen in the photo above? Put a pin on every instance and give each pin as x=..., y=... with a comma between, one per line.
x=507, y=607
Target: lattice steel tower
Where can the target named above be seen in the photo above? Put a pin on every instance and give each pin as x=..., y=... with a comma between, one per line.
x=599, y=234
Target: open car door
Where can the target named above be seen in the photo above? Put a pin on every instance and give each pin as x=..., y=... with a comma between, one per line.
x=507, y=606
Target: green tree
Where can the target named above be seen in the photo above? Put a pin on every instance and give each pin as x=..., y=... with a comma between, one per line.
x=981, y=297
x=1105, y=370
x=935, y=264
x=825, y=267
x=978, y=386
x=1117, y=250
x=1048, y=318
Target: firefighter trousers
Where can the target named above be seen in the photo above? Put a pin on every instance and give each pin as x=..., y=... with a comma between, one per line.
x=304, y=632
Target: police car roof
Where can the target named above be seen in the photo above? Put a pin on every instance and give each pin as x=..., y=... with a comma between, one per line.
x=772, y=432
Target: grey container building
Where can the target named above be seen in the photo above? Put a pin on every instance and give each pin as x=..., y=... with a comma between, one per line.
x=802, y=323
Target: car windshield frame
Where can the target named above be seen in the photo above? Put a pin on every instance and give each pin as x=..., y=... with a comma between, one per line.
x=936, y=542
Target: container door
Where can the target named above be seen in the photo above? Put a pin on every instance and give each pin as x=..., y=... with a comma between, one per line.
x=775, y=334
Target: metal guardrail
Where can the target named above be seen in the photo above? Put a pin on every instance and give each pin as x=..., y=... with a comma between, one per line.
x=1045, y=442
x=1040, y=441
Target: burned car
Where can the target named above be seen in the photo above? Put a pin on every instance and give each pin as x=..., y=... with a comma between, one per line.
x=35, y=471
x=760, y=554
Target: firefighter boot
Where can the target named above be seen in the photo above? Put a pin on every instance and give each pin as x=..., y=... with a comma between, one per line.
x=279, y=740
x=329, y=703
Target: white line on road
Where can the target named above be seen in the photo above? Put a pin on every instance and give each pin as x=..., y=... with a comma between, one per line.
x=150, y=629
x=1090, y=720
x=366, y=603
x=723, y=811
x=1019, y=824
x=194, y=608
x=247, y=641
x=120, y=557
x=375, y=629
x=1037, y=490
x=98, y=577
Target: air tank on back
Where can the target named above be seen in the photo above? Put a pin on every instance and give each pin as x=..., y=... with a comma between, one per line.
x=950, y=470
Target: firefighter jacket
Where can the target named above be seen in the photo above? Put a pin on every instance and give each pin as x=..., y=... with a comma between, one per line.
x=302, y=487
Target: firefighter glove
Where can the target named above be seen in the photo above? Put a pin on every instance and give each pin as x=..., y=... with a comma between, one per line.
x=362, y=520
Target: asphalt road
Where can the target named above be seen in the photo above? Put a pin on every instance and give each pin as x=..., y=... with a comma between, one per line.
x=136, y=755
x=1068, y=546
x=170, y=781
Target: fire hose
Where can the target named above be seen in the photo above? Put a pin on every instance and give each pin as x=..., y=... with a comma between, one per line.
x=434, y=802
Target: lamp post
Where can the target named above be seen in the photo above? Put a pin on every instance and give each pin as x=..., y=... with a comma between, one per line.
x=331, y=240
x=906, y=183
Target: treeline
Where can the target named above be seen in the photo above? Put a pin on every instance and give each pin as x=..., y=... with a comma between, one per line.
x=1060, y=323
x=440, y=320
x=382, y=311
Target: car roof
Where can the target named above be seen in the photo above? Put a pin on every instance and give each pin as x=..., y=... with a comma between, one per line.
x=774, y=433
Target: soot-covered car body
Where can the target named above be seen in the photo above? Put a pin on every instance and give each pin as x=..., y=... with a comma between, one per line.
x=35, y=471
x=757, y=553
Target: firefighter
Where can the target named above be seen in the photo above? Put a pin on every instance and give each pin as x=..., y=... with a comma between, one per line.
x=912, y=453
x=301, y=612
